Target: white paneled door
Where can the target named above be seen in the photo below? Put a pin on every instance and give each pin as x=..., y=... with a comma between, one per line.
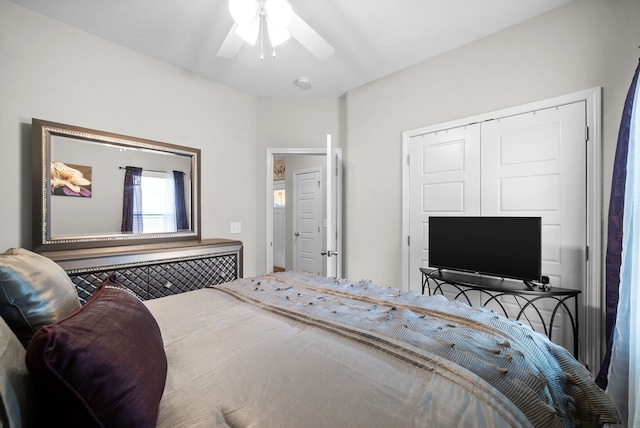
x=534, y=164
x=444, y=180
x=308, y=221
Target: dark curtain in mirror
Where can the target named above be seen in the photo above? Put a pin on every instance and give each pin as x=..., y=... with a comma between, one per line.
x=132, y=201
x=182, y=222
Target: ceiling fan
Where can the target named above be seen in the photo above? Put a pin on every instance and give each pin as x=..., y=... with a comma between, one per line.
x=253, y=17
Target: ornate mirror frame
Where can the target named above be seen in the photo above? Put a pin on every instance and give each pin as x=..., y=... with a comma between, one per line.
x=47, y=134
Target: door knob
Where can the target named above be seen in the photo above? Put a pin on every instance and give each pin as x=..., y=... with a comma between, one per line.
x=297, y=234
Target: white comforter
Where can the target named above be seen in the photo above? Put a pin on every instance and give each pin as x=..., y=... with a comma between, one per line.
x=293, y=350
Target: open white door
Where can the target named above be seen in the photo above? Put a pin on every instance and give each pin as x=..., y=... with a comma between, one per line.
x=333, y=206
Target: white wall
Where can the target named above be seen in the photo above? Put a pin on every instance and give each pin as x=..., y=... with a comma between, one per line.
x=586, y=44
x=52, y=71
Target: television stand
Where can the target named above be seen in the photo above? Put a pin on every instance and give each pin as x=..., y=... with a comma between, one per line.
x=491, y=289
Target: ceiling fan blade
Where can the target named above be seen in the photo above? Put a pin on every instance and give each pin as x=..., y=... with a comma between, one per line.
x=307, y=36
x=231, y=44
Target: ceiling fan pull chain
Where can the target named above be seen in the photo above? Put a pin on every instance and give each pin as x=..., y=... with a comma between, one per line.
x=262, y=23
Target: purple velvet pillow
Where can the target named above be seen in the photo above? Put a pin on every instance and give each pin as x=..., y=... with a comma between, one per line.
x=102, y=366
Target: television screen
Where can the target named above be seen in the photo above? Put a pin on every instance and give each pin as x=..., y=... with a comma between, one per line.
x=508, y=247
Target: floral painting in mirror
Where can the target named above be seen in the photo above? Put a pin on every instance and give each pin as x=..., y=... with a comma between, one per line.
x=70, y=180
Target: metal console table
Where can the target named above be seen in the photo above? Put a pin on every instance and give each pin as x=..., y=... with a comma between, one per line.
x=494, y=288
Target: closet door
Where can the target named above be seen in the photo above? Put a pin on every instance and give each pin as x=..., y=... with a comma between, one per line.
x=444, y=180
x=534, y=164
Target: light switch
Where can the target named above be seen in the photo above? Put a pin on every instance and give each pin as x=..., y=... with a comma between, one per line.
x=236, y=227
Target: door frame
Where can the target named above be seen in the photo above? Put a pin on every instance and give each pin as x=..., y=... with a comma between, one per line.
x=273, y=152
x=592, y=296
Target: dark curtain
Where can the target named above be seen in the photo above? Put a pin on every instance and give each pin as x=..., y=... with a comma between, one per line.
x=182, y=222
x=614, y=228
x=132, y=201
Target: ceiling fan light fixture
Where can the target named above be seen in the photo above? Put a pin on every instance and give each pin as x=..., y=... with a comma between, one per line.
x=277, y=34
x=248, y=14
x=272, y=22
x=243, y=11
x=279, y=12
x=248, y=31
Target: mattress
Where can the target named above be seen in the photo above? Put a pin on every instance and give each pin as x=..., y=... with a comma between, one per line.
x=297, y=350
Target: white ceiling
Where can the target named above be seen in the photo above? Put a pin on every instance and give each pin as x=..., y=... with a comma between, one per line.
x=372, y=38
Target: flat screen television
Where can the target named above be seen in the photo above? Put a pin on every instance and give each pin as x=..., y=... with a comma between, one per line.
x=507, y=247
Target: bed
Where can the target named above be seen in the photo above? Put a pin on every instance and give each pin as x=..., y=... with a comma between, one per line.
x=279, y=350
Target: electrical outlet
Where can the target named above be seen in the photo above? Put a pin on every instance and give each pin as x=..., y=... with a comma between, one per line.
x=236, y=227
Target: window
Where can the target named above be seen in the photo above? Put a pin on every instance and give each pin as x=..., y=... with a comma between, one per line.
x=279, y=198
x=158, y=202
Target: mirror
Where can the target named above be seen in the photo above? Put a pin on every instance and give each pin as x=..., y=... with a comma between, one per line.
x=79, y=189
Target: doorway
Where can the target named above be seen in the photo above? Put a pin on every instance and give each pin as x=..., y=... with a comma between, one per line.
x=332, y=199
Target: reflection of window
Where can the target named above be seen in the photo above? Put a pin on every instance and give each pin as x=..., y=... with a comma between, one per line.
x=279, y=199
x=158, y=202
